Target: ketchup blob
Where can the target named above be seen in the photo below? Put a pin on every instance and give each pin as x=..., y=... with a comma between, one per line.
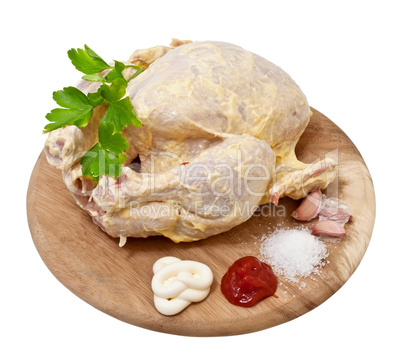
x=248, y=281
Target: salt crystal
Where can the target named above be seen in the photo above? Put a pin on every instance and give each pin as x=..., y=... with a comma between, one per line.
x=294, y=253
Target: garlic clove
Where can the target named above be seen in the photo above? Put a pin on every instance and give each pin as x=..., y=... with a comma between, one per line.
x=310, y=207
x=328, y=228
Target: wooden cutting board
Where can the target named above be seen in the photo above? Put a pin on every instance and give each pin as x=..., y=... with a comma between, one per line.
x=117, y=280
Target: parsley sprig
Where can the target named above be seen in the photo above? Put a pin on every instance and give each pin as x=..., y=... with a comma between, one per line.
x=107, y=155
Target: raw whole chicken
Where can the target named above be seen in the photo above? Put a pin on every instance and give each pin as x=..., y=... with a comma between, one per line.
x=220, y=126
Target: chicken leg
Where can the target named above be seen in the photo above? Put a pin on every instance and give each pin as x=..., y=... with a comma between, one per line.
x=213, y=192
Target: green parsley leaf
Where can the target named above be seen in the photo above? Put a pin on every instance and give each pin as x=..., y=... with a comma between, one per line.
x=96, y=98
x=115, y=143
x=115, y=91
x=71, y=97
x=63, y=117
x=87, y=61
x=98, y=161
x=89, y=159
x=121, y=114
x=94, y=78
x=109, y=163
x=78, y=109
x=116, y=72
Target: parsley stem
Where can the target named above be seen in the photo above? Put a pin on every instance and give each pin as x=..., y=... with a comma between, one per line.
x=134, y=66
x=138, y=68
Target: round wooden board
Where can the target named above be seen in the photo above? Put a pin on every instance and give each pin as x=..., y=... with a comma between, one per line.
x=117, y=280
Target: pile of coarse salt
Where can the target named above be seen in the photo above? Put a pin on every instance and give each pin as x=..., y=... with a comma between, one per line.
x=294, y=253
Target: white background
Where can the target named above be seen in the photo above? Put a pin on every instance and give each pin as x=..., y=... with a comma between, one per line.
x=345, y=55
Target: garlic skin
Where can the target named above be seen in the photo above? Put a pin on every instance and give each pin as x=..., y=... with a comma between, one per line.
x=335, y=210
x=328, y=228
x=310, y=207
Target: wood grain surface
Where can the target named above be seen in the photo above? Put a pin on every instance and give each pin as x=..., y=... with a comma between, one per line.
x=117, y=280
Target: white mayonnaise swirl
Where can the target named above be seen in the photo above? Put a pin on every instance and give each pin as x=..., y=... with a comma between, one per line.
x=177, y=283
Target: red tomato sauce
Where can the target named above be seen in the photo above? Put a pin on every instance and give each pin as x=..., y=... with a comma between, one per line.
x=248, y=281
